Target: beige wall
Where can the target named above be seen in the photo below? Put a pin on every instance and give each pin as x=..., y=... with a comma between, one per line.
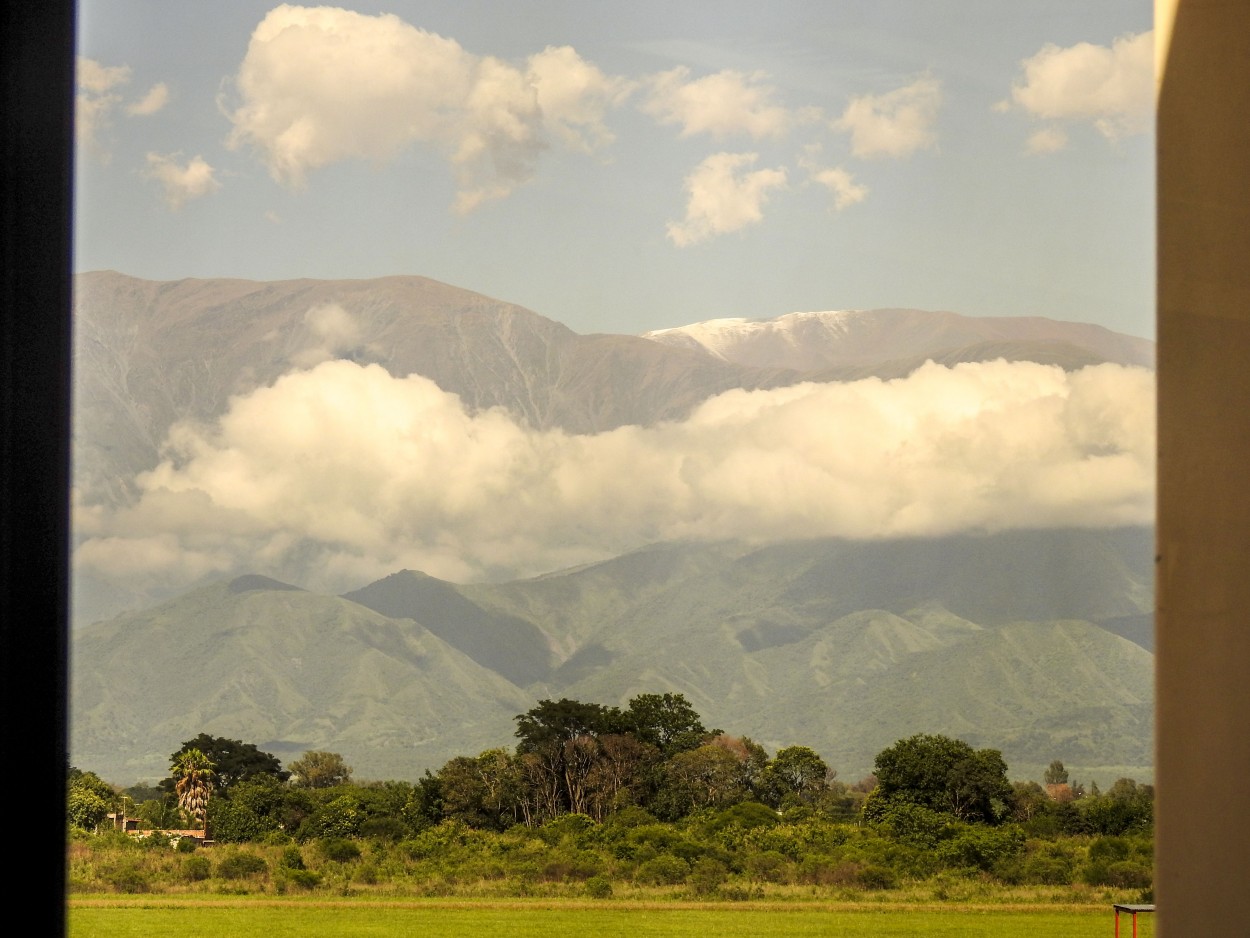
x=1203, y=622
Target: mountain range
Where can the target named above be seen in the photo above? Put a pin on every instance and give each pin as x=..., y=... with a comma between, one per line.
x=1034, y=642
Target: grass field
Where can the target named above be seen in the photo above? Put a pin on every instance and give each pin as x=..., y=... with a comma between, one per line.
x=259, y=917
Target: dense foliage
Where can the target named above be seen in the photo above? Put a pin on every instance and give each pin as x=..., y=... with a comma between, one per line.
x=599, y=799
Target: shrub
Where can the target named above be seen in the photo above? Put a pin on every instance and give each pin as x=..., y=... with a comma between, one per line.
x=567, y=825
x=599, y=887
x=129, y=878
x=291, y=858
x=303, y=879
x=707, y=876
x=240, y=866
x=1109, y=848
x=196, y=869
x=186, y=845
x=663, y=870
x=339, y=849
x=1122, y=874
x=384, y=828
x=875, y=876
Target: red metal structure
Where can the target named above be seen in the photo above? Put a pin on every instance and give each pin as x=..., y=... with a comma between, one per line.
x=1132, y=910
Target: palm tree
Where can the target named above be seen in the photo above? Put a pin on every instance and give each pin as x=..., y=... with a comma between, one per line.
x=193, y=774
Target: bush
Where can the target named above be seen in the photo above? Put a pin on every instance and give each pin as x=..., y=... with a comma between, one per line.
x=196, y=869
x=874, y=876
x=599, y=887
x=291, y=858
x=303, y=879
x=186, y=845
x=240, y=866
x=384, y=828
x=129, y=878
x=707, y=876
x=339, y=849
x=1122, y=874
x=663, y=870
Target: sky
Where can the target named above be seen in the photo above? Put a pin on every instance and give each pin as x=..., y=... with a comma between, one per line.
x=622, y=167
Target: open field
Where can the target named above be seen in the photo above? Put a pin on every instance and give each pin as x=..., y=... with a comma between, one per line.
x=265, y=917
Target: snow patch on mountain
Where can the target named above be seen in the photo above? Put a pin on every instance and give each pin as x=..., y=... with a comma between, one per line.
x=723, y=338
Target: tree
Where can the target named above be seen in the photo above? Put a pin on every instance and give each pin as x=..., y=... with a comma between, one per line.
x=233, y=760
x=88, y=799
x=796, y=773
x=945, y=775
x=562, y=720
x=1056, y=774
x=317, y=769
x=193, y=783
x=667, y=722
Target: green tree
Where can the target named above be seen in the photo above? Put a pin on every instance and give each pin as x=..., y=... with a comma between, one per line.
x=233, y=760
x=945, y=775
x=89, y=799
x=666, y=721
x=563, y=720
x=193, y=784
x=1055, y=774
x=795, y=775
x=318, y=769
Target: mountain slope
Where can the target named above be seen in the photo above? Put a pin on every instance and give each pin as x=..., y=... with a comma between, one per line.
x=1011, y=640
x=286, y=669
x=818, y=342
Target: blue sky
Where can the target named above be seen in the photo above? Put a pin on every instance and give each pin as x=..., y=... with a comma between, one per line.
x=625, y=167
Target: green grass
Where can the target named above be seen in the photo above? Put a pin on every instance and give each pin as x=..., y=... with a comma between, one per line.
x=276, y=918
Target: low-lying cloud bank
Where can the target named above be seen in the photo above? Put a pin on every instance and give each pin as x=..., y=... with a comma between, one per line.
x=341, y=473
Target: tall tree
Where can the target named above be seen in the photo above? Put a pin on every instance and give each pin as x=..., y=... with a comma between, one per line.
x=945, y=775
x=1055, y=774
x=233, y=760
x=317, y=769
x=796, y=773
x=192, y=772
x=666, y=721
x=562, y=720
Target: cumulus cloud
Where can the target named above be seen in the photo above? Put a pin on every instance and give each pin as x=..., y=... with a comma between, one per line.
x=322, y=85
x=840, y=183
x=341, y=473
x=182, y=183
x=95, y=98
x=1047, y=140
x=726, y=103
x=724, y=196
x=575, y=97
x=1111, y=87
x=156, y=98
x=895, y=124
x=335, y=331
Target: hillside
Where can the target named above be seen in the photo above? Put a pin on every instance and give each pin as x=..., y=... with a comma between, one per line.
x=838, y=645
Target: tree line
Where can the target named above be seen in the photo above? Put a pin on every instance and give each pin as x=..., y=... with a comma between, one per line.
x=591, y=760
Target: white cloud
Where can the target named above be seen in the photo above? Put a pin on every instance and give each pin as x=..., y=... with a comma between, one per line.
x=724, y=196
x=95, y=98
x=335, y=332
x=322, y=85
x=1047, y=140
x=575, y=97
x=340, y=474
x=840, y=183
x=895, y=124
x=1111, y=87
x=182, y=183
x=723, y=104
x=156, y=98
